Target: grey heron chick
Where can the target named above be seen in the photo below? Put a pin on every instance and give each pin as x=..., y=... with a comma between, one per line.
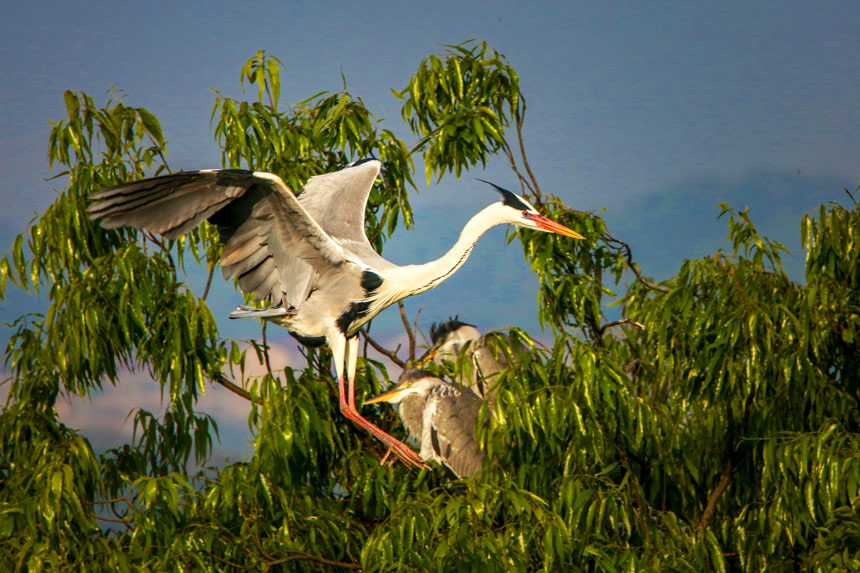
x=441, y=417
x=484, y=359
x=306, y=254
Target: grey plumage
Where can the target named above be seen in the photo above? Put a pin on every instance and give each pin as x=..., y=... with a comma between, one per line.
x=441, y=417
x=304, y=253
x=485, y=355
x=278, y=244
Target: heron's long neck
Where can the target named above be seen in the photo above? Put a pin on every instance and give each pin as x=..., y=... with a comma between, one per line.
x=414, y=279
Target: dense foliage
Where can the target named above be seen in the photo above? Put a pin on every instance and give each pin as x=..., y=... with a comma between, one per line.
x=714, y=425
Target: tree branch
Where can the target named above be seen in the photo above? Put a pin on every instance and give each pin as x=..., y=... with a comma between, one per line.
x=208, y=282
x=114, y=500
x=711, y=508
x=523, y=180
x=376, y=346
x=623, y=321
x=316, y=558
x=160, y=153
x=628, y=254
x=266, y=351
x=538, y=196
x=125, y=522
x=408, y=328
x=234, y=388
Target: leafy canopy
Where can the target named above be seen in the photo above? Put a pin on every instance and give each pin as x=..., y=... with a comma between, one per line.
x=714, y=425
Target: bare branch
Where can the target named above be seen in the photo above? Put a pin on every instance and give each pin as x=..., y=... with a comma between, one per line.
x=114, y=500
x=392, y=355
x=160, y=153
x=125, y=522
x=721, y=487
x=266, y=351
x=208, y=282
x=415, y=327
x=316, y=558
x=161, y=245
x=623, y=321
x=408, y=328
x=538, y=196
x=628, y=254
x=510, y=155
x=234, y=388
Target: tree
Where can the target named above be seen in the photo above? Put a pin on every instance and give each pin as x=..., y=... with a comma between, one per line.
x=713, y=425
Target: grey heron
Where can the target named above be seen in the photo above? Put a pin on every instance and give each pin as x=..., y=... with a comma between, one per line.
x=441, y=417
x=306, y=254
x=484, y=358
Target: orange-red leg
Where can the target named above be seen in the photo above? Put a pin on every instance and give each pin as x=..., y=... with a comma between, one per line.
x=346, y=351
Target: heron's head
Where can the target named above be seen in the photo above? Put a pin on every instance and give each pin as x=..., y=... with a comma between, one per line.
x=412, y=382
x=517, y=211
x=448, y=339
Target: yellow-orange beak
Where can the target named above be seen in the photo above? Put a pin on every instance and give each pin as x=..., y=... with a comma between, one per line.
x=428, y=356
x=385, y=396
x=551, y=226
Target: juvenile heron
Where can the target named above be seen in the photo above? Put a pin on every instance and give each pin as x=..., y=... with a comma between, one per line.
x=485, y=356
x=441, y=417
x=306, y=254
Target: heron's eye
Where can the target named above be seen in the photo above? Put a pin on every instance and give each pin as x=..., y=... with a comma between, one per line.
x=526, y=214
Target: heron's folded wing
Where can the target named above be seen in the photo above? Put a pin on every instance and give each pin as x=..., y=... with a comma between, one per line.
x=455, y=415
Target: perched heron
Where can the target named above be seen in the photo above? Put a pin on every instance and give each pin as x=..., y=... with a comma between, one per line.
x=305, y=253
x=441, y=417
x=485, y=357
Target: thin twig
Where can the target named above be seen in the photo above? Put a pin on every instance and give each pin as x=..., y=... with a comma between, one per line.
x=266, y=351
x=415, y=327
x=510, y=155
x=408, y=328
x=227, y=561
x=538, y=196
x=316, y=558
x=392, y=355
x=234, y=388
x=114, y=500
x=125, y=522
x=160, y=153
x=628, y=254
x=623, y=321
x=157, y=241
x=208, y=282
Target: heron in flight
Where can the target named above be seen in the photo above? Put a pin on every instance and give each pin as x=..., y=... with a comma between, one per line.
x=441, y=417
x=304, y=253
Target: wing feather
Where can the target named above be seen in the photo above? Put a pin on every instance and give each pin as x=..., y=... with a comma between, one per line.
x=272, y=244
x=453, y=422
x=337, y=201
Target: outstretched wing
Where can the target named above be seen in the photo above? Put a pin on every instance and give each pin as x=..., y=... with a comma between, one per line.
x=452, y=416
x=271, y=243
x=337, y=201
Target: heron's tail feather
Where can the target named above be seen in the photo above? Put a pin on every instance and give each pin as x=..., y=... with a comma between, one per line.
x=251, y=312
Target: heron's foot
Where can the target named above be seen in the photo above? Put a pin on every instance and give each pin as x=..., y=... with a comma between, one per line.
x=403, y=452
x=385, y=461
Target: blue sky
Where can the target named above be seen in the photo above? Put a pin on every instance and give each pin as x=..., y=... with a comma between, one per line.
x=654, y=111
